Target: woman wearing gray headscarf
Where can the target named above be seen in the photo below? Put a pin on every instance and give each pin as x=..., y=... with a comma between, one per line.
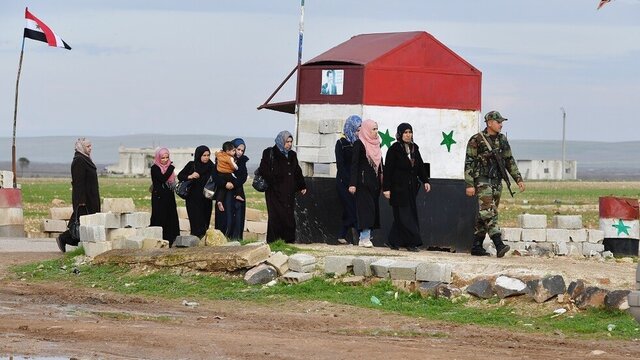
x=279, y=167
x=85, y=195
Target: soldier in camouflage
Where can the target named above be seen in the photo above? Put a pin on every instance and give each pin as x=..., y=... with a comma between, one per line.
x=482, y=178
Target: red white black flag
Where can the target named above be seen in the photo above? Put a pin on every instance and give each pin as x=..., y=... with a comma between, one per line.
x=37, y=30
x=602, y=3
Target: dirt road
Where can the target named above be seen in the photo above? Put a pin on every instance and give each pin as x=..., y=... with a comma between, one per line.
x=53, y=319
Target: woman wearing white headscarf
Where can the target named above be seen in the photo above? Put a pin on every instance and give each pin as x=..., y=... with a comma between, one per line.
x=85, y=194
x=279, y=167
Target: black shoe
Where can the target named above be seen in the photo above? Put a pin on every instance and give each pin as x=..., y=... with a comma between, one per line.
x=413, y=249
x=61, y=244
x=502, y=250
x=393, y=247
x=479, y=251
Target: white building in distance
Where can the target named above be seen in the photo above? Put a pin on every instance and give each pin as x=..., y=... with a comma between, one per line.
x=138, y=161
x=548, y=169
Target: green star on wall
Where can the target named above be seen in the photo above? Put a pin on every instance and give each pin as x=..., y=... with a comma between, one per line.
x=622, y=228
x=385, y=139
x=447, y=139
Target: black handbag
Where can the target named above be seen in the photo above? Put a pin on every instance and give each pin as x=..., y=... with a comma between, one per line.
x=209, y=188
x=259, y=182
x=74, y=224
x=183, y=188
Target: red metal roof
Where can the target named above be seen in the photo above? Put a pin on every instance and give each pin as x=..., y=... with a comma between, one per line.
x=365, y=48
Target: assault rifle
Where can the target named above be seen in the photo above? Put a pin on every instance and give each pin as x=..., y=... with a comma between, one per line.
x=500, y=162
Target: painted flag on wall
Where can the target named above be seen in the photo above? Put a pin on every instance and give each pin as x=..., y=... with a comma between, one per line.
x=603, y=3
x=37, y=30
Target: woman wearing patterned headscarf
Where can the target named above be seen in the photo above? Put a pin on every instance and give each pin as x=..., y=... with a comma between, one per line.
x=163, y=201
x=198, y=207
x=403, y=172
x=279, y=167
x=85, y=194
x=231, y=220
x=366, y=179
x=344, y=154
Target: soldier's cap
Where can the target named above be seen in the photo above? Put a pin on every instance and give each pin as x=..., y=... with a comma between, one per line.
x=494, y=115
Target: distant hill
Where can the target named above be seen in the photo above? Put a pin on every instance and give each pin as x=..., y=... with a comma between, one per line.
x=51, y=155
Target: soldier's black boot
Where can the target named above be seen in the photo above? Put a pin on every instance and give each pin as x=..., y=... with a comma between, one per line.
x=501, y=248
x=477, y=249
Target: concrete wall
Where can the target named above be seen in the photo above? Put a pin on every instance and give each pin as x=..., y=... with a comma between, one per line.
x=320, y=126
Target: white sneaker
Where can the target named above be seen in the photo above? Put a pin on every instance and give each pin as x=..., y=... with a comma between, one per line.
x=342, y=241
x=365, y=243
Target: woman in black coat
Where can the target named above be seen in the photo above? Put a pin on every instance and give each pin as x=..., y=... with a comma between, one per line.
x=85, y=194
x=279, y=167
x=231, y=220
x=164, y=212
x=198, y=207
x=403, y=170
x=344, y=156
x=366, y=180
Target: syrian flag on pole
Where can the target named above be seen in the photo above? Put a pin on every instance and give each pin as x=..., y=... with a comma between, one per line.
x=37, y=30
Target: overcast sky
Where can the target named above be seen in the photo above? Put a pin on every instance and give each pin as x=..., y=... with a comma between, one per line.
x=190, y=66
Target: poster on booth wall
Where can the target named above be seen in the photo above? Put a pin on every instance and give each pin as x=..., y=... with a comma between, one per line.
x=332, y=82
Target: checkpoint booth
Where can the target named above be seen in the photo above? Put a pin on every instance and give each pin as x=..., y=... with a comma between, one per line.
x=390, y=78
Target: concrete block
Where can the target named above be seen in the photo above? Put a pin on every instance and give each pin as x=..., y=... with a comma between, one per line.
x=6, y=179
x=92, y=233
x=595, y=236
x=380, y=267
x=280, y=262
x=534, y=235
x=182, y=212
x=578, y=235
x=302, y=263
x=556, y=235
x=96, y=248
x=338, y=265
x=532, y=221
x=133, y=242
x=150, y=232
x=567, y=221
x=512, y=234
x=50, y=225
x=253, y=215
x=11, y=216
x=403, y=270
x=362, y=265
x=106, y=219
x=634, y=299
x=561, y=248
x=574, y=250
x=293, y=277
x=120, y=233
x=12, y=230
x=184, y=224
x=136, y=220
x=256, y=227
x=118, y=205
x=589, y=249
x=61, y=213
x=438, y=272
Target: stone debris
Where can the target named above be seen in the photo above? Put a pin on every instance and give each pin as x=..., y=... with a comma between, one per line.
x=506, y=286
x=261, y=274
x=547, y=288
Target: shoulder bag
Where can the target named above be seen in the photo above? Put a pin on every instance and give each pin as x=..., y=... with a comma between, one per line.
x=209, y=188
x=183, y=187
x=259, y=183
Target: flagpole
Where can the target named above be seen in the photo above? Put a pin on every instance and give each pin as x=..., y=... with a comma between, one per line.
x=15, y=117
x=300, y=37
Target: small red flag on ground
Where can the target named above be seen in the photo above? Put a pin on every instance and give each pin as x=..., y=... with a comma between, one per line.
x=37, y=30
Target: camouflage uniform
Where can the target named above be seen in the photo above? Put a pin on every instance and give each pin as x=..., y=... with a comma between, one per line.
x=482, y=172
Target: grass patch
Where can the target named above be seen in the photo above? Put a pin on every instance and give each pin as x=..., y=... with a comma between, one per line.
x=591, y=324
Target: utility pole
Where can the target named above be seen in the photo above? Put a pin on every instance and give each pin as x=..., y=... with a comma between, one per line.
x=564, y=121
